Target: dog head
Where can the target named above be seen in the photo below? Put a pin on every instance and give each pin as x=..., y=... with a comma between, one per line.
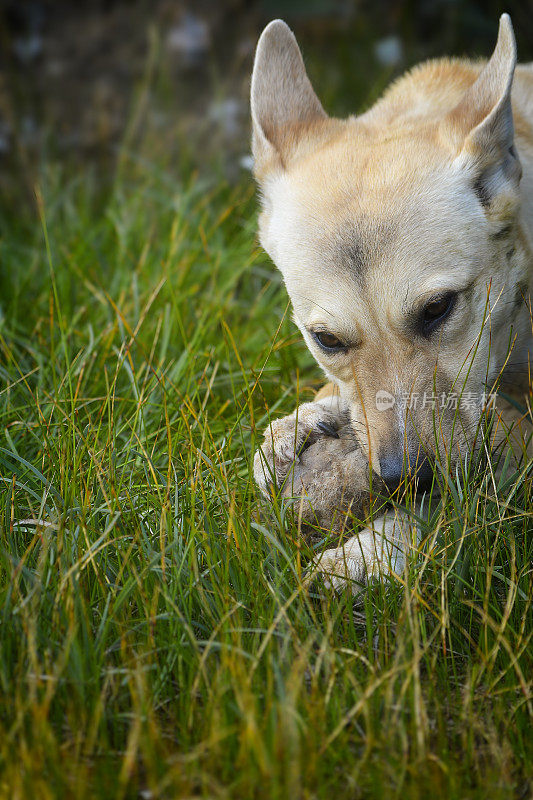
x=398, y=237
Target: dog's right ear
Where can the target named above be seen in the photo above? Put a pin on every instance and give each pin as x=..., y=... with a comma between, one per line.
x=286, y=113
x=481, y=127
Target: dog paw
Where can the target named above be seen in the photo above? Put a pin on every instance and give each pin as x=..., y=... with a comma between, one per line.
x=286, y=438
x=375, y=552
x=338, y=569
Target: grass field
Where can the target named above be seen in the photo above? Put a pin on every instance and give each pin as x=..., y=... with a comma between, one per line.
x=155, y=640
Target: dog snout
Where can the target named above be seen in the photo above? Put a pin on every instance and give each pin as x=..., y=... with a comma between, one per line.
x=398, y=466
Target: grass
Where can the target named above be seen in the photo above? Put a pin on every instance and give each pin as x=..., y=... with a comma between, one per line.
x=155, y=640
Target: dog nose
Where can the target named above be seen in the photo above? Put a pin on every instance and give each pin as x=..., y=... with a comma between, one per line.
x=397, y=466
x=392, y=470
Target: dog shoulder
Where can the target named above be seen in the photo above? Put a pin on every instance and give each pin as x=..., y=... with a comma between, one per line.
x=429, y=89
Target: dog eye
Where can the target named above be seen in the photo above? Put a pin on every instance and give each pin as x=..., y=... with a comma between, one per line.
x=436, y=311
x=328, y=341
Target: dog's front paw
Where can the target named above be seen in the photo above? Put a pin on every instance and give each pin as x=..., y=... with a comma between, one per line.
x=349, y=565
x=338, y=568
x=377, y=551
x=286, y=438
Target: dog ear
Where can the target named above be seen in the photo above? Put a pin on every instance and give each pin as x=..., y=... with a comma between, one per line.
x=286, y=113
x=481, y=125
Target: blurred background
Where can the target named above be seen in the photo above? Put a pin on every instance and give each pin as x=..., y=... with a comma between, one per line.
x=83, y=83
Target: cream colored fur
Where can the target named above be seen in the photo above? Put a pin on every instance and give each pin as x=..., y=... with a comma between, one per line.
x=369, y=219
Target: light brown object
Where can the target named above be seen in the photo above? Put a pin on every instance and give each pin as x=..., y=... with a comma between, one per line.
x=332, y=481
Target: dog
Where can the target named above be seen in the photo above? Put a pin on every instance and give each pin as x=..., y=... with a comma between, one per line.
x=404, y=238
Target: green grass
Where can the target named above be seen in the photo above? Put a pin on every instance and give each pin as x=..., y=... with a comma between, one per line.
x=155, y=639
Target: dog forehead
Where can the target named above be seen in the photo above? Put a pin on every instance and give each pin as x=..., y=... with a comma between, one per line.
x=359, y=230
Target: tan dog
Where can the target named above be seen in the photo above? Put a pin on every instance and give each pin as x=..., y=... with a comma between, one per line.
x=404, y=237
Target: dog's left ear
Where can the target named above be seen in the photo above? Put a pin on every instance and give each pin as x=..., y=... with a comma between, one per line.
x=481, y=127
x=287, y=116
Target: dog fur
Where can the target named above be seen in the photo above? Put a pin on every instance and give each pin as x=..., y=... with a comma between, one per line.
x=371, y=221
